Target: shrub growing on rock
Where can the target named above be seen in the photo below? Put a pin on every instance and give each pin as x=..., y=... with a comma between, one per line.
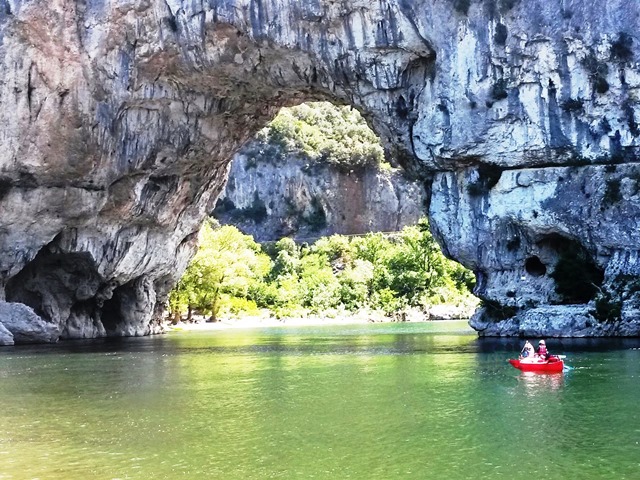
x=323, y=133
x=612, y=193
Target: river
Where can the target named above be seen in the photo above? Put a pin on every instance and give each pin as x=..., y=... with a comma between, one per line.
x=380, y=401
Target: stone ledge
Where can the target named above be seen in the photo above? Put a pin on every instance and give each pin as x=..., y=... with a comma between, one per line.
x=556, y=321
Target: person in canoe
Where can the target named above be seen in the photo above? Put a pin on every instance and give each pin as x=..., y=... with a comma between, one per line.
x=542, y=351
x=527, y=350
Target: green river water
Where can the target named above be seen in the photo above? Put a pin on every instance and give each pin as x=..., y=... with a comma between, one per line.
x=397, y=401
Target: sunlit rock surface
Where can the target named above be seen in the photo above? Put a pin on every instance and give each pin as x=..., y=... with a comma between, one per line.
x=118, y=120
x=296, y=198
x=25, y=326
x=6, y=337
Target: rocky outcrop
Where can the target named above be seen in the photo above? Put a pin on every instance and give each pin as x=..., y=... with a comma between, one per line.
x=552, y=235
x=6, y=337
x=272, y=198
x=118, y=120
x=553, y=321
x=25, y=326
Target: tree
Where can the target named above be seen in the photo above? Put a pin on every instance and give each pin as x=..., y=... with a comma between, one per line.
x=414, y=267
x=231, y=273
x=227, y=264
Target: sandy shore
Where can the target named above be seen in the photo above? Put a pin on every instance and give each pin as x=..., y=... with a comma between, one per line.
x=358, y=318
x=269, y=322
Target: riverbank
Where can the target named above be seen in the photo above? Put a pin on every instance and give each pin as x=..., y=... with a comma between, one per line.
x=254, y=322
x=413, y=315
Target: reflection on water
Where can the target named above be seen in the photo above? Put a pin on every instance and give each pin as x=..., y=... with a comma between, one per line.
x=541, y=383
x=362, y=402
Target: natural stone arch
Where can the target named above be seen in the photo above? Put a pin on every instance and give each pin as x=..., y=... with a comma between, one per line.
x=306, y=186
x=120, y=118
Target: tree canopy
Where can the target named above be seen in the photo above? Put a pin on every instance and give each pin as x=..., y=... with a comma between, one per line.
x=323, y=133
x=233, y=274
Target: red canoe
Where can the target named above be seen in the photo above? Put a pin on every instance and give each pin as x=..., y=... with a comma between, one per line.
x=553, y=365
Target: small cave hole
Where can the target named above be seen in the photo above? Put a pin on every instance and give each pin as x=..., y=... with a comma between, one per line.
x=577, y=276
x=535, y=267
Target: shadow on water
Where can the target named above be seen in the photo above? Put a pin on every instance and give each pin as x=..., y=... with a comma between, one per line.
x=557, y=345
x=84, y=346
x=371, y=339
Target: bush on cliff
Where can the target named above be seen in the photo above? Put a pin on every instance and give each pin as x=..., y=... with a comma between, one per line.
x=323, y=133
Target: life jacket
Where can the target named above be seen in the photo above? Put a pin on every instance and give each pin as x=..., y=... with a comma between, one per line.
x=542, y=351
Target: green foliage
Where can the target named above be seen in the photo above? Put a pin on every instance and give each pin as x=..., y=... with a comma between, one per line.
x=231, y=274
x=287, y=245
x=415, y=266
x=324, y=133
x=227, y=263
x=611, y=297
x=285, y=265
x=608, y=307
x=336, y=248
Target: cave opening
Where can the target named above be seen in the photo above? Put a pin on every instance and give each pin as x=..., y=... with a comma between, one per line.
x=56, y=284
x=65, y=290
x=534, y=266
x=577, y=276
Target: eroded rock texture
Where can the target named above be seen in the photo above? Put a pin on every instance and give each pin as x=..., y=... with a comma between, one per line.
x=118, y=120
x=271, y=198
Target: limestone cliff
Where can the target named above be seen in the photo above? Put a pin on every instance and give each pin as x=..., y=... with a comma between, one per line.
x=270, y=198
x=119, y=119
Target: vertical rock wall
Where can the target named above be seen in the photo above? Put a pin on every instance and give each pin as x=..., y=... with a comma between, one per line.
x=273, y=198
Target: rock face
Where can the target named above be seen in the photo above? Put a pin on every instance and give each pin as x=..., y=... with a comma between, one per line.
x=289, y=197
x=119, y=118
x=25, y=326
x=6, y=337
